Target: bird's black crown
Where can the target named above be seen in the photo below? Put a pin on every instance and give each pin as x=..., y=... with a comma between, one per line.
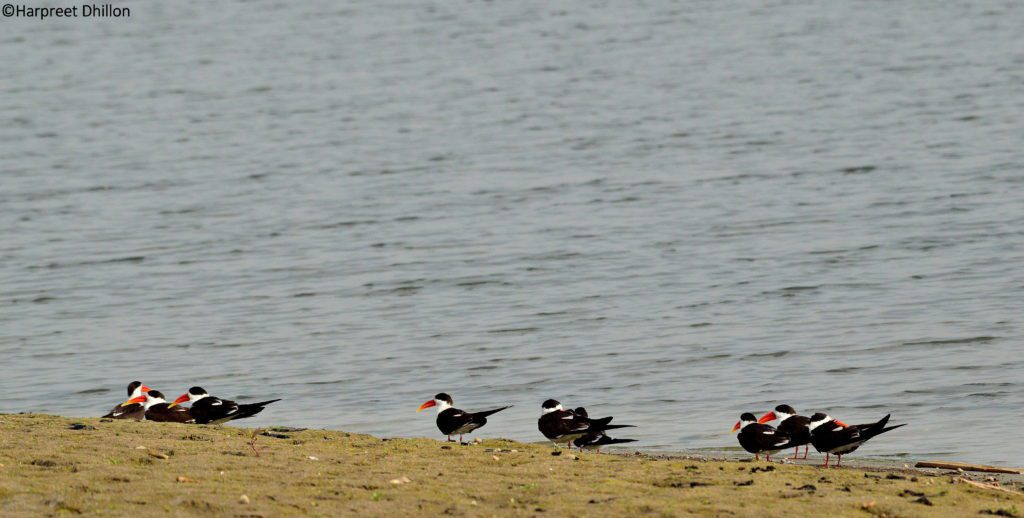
x=156, y=394
x=196, y=391
x=748, y=417
x=786, y=409
x=551, y=403
x=133, y=385
x=441, y=396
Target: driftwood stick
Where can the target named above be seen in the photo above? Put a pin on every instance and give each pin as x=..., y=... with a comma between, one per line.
x=252, y=441
x=989, y=486
x=967, y=467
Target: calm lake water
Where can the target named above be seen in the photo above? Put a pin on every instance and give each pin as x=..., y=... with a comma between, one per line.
x=670, y=212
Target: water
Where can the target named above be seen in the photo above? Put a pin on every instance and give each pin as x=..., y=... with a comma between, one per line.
x=671, y=213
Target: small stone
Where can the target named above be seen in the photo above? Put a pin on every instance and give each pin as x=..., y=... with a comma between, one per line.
x=243, y=499
x=495, y=457
x=312, y=458
x=186, y=480
x=156, y=455
x=400, y=481
x=140, y=448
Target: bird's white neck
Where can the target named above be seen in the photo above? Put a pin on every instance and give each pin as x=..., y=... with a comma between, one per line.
x=549, y=410
x=815, y=424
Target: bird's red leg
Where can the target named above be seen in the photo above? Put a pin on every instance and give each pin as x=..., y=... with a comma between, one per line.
x=450, y=439
x=839, y=460
x=797, y=454
x=806, y=450
x=757, y=457
x=826, y=459
x=460, y=437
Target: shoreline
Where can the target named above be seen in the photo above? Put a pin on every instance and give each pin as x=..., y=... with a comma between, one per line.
x=50, y=465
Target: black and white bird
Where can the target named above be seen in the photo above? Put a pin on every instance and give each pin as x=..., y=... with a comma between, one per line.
x=595, y=440
x=452, y=421
x=207, y=409
x=837, y=438
x=796, y=426
x=759, y=438
x=158, y=410
x=133, y=411
x=564, y=426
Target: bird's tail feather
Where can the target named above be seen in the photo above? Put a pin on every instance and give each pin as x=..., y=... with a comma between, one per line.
x=486, y=413
x=251, y=409
x=617, y=441
x=886, y=429
x=265, y=403
x=879, y=428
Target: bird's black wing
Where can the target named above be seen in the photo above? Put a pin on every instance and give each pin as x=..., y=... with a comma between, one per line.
x=561, y=423
x=213, y=409
x=767, y=437
x=798, y=428
x=162, y=412
x=452, y=419
x=134, y=411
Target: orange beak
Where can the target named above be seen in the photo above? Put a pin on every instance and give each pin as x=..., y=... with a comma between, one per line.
x=426, y=405
x=840, y=423
x=132, y=401
x=181, y=399
x=736, y=427
x=770, y=416
x=144, y=389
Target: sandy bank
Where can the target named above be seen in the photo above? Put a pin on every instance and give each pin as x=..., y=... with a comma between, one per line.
x=54, y=465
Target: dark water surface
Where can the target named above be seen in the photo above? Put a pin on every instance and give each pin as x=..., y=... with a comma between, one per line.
x=672, y=212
